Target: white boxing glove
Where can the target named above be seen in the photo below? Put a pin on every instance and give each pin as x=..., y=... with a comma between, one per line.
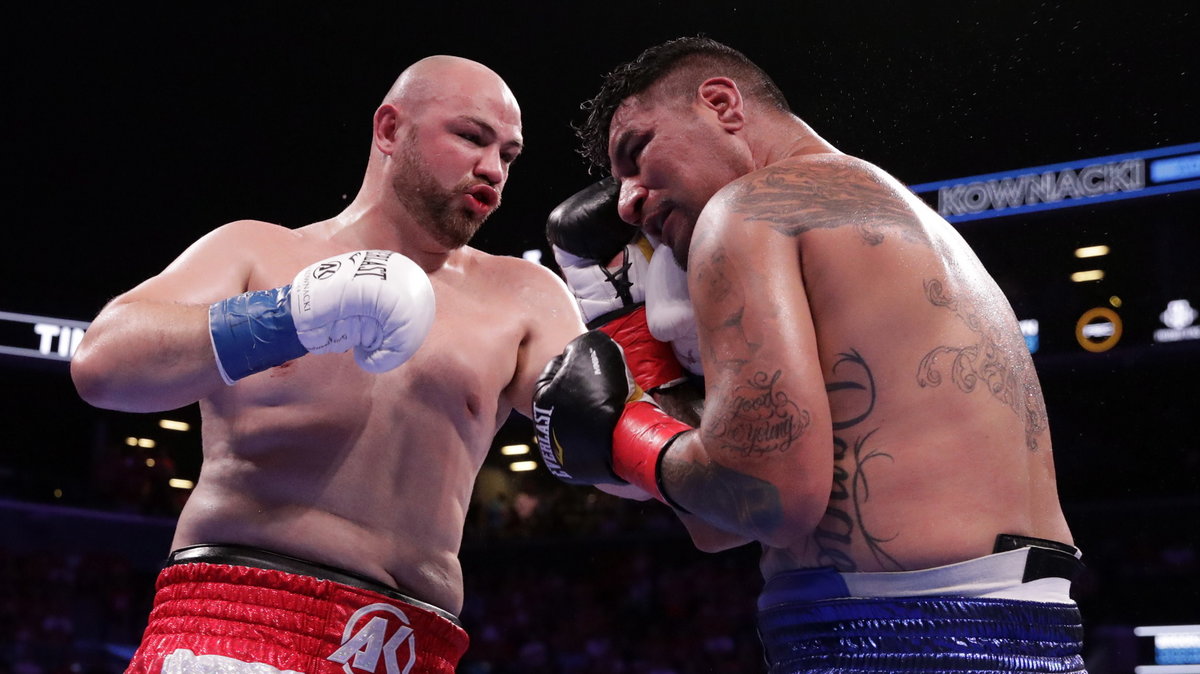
x=378, y=302
x=669, y=312
x=606, y=287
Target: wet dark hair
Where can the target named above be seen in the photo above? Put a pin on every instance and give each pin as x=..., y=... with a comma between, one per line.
x=697, y=58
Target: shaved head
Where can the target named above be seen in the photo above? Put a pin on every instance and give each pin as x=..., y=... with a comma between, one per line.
x=434, y=76
x=446, y=133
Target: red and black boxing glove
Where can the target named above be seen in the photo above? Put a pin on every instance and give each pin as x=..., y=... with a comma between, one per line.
x=604, y=262
x=595, y=425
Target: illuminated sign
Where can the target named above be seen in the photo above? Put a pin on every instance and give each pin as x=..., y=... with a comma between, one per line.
x=1178, y=318
x=1098, y=329
x=1077, y=183
x=40, y=336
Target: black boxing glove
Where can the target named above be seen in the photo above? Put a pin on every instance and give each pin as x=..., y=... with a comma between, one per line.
x=594, y=425
x=587, y=224
x=604, y=261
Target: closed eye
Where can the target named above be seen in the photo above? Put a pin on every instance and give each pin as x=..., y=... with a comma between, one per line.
x=629, y=151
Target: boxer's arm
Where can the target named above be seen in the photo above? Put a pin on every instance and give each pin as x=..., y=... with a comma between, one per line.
x=708, y=538
x=552, y=320
x=377, y=302
x=761, y=464
x=149, y=349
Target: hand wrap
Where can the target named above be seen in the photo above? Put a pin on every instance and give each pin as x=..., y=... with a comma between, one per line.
x=594, y=425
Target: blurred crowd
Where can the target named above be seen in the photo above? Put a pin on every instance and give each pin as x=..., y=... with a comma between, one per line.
x=558, y=580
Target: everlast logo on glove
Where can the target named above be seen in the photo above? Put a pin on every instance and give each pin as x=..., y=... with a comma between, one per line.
x=377, y=640
x=578, y=400
x=551, y=455
x=374, y=264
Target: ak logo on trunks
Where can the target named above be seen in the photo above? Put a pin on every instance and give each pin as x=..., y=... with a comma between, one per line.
x=377, y=640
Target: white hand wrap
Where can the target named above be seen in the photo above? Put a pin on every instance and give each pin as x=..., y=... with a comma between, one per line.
x=378, y=302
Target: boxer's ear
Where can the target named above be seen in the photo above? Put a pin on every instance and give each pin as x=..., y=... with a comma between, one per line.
x=722, y=96
x=387, y=128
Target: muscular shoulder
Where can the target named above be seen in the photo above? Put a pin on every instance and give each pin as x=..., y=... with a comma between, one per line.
x=817, y=192
x=239, y=238
x=516, y=279
x=251, y=231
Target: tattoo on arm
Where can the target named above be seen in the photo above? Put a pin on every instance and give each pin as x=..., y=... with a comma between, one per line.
x=998, y=362
x=792, y=201
x=759, y=419
x=748, y=505
x=731, y=348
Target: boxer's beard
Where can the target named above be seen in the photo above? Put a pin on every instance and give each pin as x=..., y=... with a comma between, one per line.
x=437, y=210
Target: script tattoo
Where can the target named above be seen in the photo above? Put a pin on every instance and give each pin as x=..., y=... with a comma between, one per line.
x=760, y=419
x=997, y=364
x=750, y=504
x=854, y=386
x=837, y=193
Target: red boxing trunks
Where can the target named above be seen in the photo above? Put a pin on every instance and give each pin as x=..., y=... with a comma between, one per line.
x=235, y=619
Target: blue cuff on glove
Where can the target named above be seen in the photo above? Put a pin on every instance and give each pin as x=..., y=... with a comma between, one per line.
x=253, y=332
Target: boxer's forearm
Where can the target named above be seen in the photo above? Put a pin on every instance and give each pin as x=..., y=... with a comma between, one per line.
x=728, y=499
x=143, y=356
x=682, y=402
x=708, y=538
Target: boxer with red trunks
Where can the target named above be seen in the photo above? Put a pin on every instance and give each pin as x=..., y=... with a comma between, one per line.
x=323, y=532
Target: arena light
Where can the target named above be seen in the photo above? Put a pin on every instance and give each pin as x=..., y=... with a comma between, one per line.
x=533, y=255
x=132, y=442
x=150, y=463
x=1030, y=330
x=522, y=466
x=1089, y=275
x=514, y=450
x=1091, y=251
x=180, y=483
x=1176, y=648
x=1099, y=330
x=172, y=425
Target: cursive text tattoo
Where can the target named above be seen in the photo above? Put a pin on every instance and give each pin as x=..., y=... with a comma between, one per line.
x=852, y=389
x=760, y=419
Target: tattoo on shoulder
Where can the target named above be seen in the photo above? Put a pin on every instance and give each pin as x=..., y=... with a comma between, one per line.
x=753, y=505
x=998, y=363
x=845, y=519
x=760, y=419
x=792, y=202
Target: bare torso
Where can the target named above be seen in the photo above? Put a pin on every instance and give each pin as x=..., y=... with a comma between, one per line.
x=371, y=473
x=940, y=437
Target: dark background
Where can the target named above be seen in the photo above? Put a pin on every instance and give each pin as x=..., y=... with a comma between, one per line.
x=128, y=134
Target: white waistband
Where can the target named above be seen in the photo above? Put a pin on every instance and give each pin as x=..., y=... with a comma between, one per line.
x=995, y=576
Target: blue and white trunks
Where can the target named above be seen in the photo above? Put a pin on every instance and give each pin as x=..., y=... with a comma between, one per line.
x=1007, y=612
